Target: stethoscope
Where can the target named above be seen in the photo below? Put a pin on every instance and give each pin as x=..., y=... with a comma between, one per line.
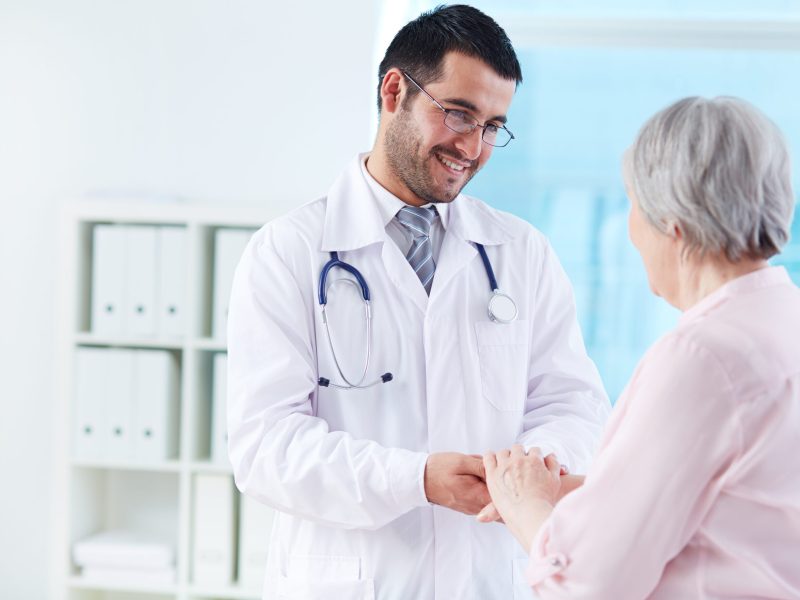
x=501, y=309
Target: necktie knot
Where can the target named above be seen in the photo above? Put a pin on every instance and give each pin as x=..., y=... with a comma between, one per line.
x=418, y=220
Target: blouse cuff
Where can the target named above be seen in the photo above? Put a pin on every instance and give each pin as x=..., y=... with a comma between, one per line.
x=543, y=564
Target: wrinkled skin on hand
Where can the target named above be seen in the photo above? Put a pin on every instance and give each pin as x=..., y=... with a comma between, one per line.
x=523, y=489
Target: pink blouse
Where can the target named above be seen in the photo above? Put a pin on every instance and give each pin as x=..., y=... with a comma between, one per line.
x=695, y=491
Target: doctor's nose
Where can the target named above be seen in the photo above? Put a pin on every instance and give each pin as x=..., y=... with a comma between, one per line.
x=470, y=144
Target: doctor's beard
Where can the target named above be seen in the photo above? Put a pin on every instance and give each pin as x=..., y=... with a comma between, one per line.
x=403, y=144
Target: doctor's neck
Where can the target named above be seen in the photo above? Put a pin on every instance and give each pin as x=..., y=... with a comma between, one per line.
x=382, y=172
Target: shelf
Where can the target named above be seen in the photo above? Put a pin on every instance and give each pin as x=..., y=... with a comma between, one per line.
x=171, y=466
x=204, y=343
x=79, y=583
x=232, y=593
x=91, y=339
x=200, y=214
x=210, y=344
x=104, y=491
x=209, y=467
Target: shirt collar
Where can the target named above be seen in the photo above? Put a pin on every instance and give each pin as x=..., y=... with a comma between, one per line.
x=757, y=280
x=357, y=213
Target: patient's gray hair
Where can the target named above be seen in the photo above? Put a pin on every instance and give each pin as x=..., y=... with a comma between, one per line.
x=719, y=169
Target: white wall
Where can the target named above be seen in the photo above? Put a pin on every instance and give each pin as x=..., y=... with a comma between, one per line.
x=232, y=102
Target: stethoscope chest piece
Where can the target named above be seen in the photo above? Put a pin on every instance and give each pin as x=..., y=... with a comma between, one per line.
x=502, y=308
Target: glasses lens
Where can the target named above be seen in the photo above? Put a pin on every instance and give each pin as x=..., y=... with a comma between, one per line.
x=459, y=122
x=496, y=136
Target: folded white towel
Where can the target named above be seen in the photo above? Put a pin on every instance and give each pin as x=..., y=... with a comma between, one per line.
x=124, y=549
x=119, y=576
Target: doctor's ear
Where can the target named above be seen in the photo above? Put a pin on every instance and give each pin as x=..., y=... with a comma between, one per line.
x=392, y=90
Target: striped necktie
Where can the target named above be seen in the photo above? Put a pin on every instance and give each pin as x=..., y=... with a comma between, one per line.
x=420, y=256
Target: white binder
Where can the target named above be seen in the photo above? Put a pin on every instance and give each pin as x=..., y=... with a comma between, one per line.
x=140, y=289
x=156, y=390
x=119, y=408
x=219, y=419
x=108, y=279
x=255, y=528
x=228, y=248
x=213, y=543
x=89, y=433
x=171, y=290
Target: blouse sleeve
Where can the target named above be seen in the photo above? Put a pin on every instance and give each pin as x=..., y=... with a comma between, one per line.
x=659, y=471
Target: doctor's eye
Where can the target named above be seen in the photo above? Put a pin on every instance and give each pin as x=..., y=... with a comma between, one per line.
x=460, y=122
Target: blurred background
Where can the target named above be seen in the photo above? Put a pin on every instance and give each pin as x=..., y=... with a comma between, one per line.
x=210, y=117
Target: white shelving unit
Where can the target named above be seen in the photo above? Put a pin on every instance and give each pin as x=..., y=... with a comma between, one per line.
x=94, y=495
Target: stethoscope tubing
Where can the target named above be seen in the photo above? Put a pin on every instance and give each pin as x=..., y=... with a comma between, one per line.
x=368, y=317
x=361, y=283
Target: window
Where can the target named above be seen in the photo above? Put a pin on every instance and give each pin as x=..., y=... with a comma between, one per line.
x=593, y=75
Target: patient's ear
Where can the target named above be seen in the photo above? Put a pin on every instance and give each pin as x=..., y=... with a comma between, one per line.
x=674, y=230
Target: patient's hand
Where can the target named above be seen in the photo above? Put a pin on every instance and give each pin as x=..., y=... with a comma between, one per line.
x=523, y=488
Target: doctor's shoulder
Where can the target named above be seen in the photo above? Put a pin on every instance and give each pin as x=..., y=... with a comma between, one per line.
x=298, y=228
x=517, y=230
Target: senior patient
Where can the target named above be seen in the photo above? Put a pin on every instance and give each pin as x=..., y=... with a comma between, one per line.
x=695, y=491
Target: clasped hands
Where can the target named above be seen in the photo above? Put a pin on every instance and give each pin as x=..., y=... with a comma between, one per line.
x=508, y=485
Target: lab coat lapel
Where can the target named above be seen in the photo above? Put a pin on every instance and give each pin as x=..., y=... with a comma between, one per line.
x=402, y=275
x=352, y=219
x=455, y=254
x=470, y=221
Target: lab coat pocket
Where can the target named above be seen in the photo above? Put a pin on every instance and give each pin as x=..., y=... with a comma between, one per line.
x=324, y=577
x=503, y=358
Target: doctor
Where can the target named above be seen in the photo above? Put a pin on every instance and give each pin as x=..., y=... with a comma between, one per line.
x=367, y=368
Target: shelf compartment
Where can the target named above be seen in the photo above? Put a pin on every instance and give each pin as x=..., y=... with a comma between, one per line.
x=131, y=500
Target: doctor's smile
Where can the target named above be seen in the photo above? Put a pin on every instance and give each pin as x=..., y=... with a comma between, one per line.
x=451, y=165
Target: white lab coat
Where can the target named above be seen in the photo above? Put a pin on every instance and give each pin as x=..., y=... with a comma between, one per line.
x=345, y=468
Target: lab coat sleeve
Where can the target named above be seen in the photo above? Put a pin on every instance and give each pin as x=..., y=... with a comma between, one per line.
x=283, y=455
x=673, y=440
x=567, y=406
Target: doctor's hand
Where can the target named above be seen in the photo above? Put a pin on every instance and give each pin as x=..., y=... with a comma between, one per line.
x=456, y=481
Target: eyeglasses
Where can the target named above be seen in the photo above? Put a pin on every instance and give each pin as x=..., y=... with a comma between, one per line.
x=461, y=122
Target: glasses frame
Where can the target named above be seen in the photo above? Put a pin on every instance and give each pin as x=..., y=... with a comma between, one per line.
x=475, y=125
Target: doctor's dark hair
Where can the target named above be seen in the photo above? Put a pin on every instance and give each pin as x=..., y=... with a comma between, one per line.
x=419, y=48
